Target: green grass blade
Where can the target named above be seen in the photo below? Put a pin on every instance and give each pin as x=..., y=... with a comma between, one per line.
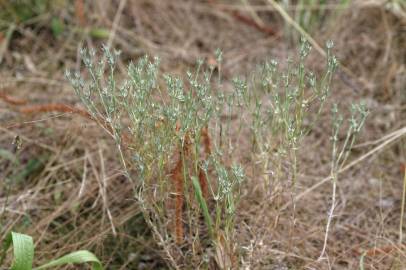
x=203, y=205
x=81, y=256
x=361, y=261
x=23, y=247
x=99, y=33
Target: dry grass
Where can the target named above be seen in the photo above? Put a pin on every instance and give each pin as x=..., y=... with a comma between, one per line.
x=69, y=191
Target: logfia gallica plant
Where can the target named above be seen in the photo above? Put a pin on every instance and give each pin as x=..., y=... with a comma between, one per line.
x=174, y=139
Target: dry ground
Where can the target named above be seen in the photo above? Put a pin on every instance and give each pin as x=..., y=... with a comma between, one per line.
x=68, y=189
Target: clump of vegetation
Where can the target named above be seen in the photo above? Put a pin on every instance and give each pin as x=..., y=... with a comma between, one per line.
x=174, y=138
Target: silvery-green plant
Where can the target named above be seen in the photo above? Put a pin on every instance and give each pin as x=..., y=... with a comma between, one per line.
x=157, y=120
x=160, y=116
x=341, y=151
x=284, y=106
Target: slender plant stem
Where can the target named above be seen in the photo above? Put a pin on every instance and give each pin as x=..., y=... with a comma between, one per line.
x=403, y=209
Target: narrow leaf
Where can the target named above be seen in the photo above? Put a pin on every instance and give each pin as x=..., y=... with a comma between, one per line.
x=81, y=256
x=99, y=33
x=203, y=205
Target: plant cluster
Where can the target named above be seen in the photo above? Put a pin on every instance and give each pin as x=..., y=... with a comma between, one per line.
x=178, y=141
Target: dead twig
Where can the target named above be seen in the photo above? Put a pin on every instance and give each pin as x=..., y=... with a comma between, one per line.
x=54, y=107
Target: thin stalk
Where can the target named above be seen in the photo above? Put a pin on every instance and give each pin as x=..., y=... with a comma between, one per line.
x=402, y=210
